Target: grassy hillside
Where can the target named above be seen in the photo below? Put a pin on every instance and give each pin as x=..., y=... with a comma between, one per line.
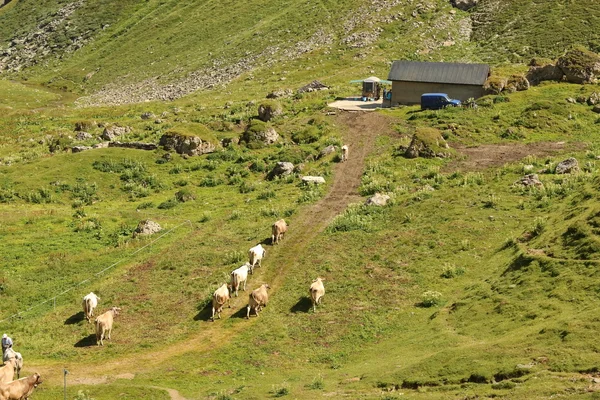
x=467, y=285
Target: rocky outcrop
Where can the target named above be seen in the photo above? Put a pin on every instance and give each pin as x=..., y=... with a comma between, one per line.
x=134, y=145
x=548, y=72
x=464, y=5
x=259, y=134
x=517, y=83
x=79, y=149
x=114, y=131
x=147, y=227
x=268, y=111
x=185, y=144
x=580, y=66
x=593, y=99
x=44, y=41
x=282, y=168
x=567, y=166
x=313, y=86
x=428, y=143
x=378, y=199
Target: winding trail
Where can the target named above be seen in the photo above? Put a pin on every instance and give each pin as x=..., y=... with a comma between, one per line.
x=360, y=130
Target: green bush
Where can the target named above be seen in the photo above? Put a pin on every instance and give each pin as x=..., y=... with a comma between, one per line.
x=165, y=205
x=431, y=299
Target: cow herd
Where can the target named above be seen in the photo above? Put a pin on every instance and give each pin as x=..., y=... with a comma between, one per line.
x=257, y=299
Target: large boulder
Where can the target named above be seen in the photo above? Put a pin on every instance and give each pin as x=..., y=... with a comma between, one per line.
x=378, y=199
x=114, y=131
x=184, y=143
x=567, y=166
x=147, y=227
x=282, y=168
x=269, y=110
x=548, y=72
x=428, y=143
x=580, y=66
x=259, y=134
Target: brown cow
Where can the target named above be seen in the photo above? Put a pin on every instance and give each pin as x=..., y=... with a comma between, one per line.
x=104, y=323
x=258, y=299
x=220, y=297
x=316, y=292
x=20, y=389
x=278, y=230
x=7, y=371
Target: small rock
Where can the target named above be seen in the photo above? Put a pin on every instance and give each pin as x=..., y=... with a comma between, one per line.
x=148, y=115
x=147, y=227
x=313, y=179
x=596, y=109
x=377, y=199
x=83, y=136
x=327, y=150
x=282, y=168
x=79, y=149
x=529, y=180
x=567, y=166
x=571, y=100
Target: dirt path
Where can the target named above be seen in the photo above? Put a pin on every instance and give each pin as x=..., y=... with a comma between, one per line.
x=359, y=130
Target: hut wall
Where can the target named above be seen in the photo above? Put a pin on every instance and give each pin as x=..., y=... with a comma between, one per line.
x=410, y=92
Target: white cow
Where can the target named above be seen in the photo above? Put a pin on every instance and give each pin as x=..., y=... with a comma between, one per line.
x=90, y=301
x=239, y=277
x=104, y=324
x=345, y=153
x=10, y=354
x=316, y=292
x=255, y=256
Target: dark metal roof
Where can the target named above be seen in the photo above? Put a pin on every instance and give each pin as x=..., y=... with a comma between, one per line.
x=439, y=72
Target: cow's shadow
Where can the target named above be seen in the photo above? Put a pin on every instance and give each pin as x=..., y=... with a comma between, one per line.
x=303, y=305
x=87, y=341
x=241, y=313
x=204, y=312
x=75, y=318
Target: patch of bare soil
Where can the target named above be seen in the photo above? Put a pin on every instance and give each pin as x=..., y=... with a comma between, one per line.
x=496, y=155
x=360, y=131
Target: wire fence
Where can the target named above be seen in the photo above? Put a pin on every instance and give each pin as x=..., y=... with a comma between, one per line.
x=53, y=299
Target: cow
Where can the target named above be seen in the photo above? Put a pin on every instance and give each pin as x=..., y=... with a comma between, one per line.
x=345, y=153
x=220, y=297
x=104, y=324
x=238, y=277
x=316, y=292
x=18, y=364
x=7, y=371
x=257, y=299
x=20, y=389
x=255, y=255
x=278, y=230
x=90, y=301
